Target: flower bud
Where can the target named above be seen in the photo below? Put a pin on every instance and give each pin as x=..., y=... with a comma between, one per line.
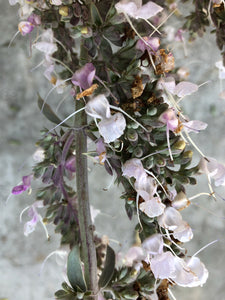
x=132, y=135
x=188, y=154
x=64, y=11
x=25, y=27
x=152, y=112
x=149, y=163
x=138, y=152
x=179, y=145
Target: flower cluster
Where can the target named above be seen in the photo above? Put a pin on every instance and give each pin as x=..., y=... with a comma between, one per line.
x=127, y=92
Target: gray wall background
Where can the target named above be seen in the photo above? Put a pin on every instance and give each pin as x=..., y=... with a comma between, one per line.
x=21, y=257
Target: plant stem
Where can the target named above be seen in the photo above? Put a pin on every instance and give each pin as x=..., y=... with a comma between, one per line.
x=84, y=215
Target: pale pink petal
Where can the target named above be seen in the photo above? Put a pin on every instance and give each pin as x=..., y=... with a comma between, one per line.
x=46, y=47
x=185, y=88
x=195, y=126
x=153, y=207
x=148, y=10
x=133, y=168
x=112, y=128
x=167, y=84
x=220, y=66
x=171, y=219
x=182, y=275
x=125, y=7
x=133, y=255
x=199, y=269
x=145, y=186
x=169, y=118
x=153, y=244
x=56, y=2
x=183, y=232
x=150, y=44
x=98, y=107
x=162, y=265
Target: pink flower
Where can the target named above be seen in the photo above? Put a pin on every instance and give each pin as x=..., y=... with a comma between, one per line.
x=169, y=118
x=25, y=27
x=182, y=89
x=23, y=187
x=153, y=42
x=34, y=19
x=84, y=76
x=35, y=218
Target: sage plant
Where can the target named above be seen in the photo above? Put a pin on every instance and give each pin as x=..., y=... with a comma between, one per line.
x=113, y=58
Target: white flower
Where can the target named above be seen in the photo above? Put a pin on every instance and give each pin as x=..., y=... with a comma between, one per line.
x=39, y=155
x=172, y=220
x=188, y=273
x=136, y=10
x=163, y=266
x=180, y=201
x=98, y=107
x=213, y=169
x=56, y=2
x=111, y=127
x=154, y=244
x=220, y=66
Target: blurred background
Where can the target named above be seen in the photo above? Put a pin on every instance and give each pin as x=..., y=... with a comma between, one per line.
x=21, y=257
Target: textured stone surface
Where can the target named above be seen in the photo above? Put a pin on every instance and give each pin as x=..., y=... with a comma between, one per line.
x=21, y=257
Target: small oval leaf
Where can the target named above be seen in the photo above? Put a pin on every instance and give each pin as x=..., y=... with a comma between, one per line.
x=108, y=270
x=95, y=15
x=48, y=112
x=74, y=270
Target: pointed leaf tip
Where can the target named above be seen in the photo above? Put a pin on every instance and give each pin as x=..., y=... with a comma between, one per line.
x=49, y=113
x=74, y=270
x=108, y=270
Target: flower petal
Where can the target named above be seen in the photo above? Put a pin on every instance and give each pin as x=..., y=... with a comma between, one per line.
x=98, y=107
x=84, y=76
x=112, y=128
x=185, y=88
x=148, y=10
x=153, y=207
x=153, y=244
x=133, y=168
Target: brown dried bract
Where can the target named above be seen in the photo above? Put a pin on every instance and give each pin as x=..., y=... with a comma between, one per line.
x=87, y=92
x=164, y=62
x=162, y=290
x=179, y=127
x=146, y=266
x=137, y=88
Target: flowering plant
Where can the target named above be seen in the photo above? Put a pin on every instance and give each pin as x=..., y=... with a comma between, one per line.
x=112, y=58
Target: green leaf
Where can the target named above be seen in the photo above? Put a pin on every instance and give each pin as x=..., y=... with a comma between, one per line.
x=106, y=50
x=108, y=270
x=74, y=270
x=95, y=15
x=48, y=112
